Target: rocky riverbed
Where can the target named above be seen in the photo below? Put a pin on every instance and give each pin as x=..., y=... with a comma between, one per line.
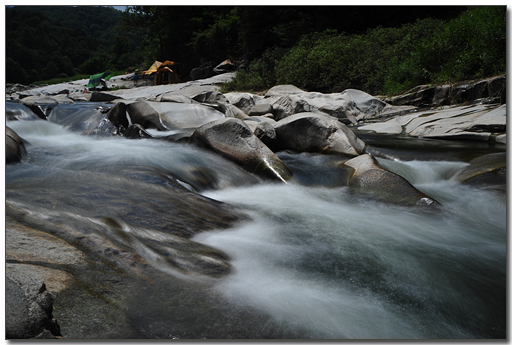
x=85, y=236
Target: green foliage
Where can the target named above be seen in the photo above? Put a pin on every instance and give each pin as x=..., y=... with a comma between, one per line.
x=389, y=60
x=468, y=47
x=51, y=41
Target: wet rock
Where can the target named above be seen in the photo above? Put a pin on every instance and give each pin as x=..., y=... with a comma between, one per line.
x=117, y=115
x=41, y=106
x=234, y=140
x=490, y=169
x=136, y=131
x=15, y=149
x=370, y=179
x=145, y=115
x=312, y=132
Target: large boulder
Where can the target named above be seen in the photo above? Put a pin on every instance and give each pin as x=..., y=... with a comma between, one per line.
x=15, y=149
x=369, y=178
x=145, y=115
x=183, y=115
x=312, y=132
x=234, y=140
x=242, y=100
x=41, y=106
x=490, y=169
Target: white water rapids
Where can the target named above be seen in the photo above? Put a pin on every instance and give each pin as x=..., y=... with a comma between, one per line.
x=321, y=261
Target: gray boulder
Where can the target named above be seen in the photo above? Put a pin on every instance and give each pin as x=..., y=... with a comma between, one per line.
x=369, y=178
x=263, y=128
x=15, y=149
x=234, y=140
x=242, y=100
x=145, y=115
x=183, y=115
x=312, y=132
x=261, y=109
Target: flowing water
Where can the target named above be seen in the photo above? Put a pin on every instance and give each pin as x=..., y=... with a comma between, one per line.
x=314, y=260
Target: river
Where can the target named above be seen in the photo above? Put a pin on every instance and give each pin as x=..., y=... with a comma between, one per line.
x=314, y=261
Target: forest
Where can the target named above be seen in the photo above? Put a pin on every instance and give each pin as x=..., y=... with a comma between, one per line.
x=377, y=49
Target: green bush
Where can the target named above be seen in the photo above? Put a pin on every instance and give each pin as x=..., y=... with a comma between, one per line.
x=387, y=60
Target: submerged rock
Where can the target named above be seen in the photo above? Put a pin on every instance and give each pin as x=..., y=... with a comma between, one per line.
x=369, y=178
x=312, y=132
x=234, y=140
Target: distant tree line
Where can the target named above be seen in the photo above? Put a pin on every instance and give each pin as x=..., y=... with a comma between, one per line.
x=45, y=42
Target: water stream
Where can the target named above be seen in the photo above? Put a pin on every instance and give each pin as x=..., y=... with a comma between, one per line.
x=315, y=261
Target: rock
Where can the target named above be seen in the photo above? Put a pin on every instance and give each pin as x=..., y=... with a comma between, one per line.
x=312, y=132
x=263, y=129
x=224, y=67
x=28, y=308
x=242, y=100
x=468, y=123
x=136, y=131
x=475, y=122
x=369, y=178
x=233, y=139
x=348, y=106
x=201, y=93
x=173, y=97
x=15, y=149
x=117, y=115
x=145, y=115
x=261, y=109
x=183, y=115
x=489, y=169
x=41, y=106
x=102, y=97
x=428, y=95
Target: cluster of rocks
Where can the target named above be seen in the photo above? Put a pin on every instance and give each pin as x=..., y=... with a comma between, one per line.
x=249, y=130
x=486, y=91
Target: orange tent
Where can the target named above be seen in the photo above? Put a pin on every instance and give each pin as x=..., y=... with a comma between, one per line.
x=157, y=64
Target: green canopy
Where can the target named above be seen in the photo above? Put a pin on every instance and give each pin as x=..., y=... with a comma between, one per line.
x=94, y=80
